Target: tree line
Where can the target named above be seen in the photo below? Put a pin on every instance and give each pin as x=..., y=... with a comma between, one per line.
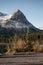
x=32, y=40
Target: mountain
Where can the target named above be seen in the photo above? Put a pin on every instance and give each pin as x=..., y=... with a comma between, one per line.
x=16, y=22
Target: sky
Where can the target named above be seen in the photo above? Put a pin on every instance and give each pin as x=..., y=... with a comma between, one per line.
x=32, y=9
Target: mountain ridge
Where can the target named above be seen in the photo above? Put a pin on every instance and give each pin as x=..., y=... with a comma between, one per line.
x=17, y=20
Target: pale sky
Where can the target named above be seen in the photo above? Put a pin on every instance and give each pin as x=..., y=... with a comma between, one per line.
x=32, y=9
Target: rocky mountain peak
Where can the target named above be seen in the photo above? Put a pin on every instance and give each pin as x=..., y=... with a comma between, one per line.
x=18, y=16
x=17, y=10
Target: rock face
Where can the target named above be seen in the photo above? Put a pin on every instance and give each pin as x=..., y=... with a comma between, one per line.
x=18, y=16
x=17, y=21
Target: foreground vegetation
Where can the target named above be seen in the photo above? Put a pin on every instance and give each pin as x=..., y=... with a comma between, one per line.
x=22, y=43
